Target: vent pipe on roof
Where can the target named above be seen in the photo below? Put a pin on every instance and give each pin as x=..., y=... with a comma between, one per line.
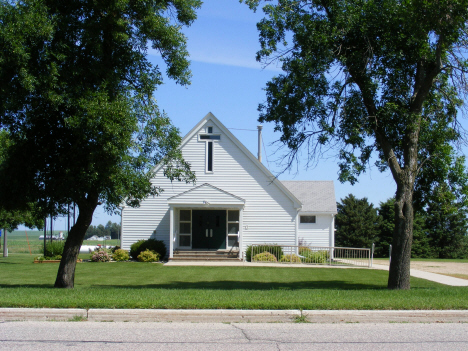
x=260, y=143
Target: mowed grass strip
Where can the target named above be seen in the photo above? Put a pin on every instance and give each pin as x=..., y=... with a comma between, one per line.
x=146, y=285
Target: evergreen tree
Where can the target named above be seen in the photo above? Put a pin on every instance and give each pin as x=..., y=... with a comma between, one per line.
x=421, y=246
x=357, y=223
x=446, y=223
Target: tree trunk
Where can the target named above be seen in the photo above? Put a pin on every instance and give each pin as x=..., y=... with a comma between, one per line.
x=399, y=274
x=66, y=271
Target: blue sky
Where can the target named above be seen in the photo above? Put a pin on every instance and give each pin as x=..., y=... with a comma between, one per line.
x=228, y=82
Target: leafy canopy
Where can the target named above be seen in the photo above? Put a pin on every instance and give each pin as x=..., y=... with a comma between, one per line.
x=365, y=75
x=76, y=95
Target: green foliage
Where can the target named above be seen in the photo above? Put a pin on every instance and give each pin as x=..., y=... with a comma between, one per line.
x=135, y=249
x=157, y=246
x=312, y=256
x=291, y=259
x=276, y=250
x=447, y=226
x=110, y=229
x=25, y=284
x=53, y=249
x=374, y=79
x=77, y=99
x=120, y=255
x=100, y=255
x=150, y=244
x=264, y=257
x=148, y=256
x=357, y=223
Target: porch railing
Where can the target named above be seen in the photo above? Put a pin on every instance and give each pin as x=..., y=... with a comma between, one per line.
x=319, y=255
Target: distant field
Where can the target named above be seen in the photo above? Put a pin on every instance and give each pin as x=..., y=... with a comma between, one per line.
x=21, y=241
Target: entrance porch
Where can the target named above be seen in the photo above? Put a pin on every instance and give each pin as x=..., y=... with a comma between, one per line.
x=205, y=219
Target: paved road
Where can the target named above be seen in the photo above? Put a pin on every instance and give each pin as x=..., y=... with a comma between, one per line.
x=101, y=336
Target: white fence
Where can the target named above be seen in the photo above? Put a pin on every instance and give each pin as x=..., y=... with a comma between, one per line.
x=289, y=254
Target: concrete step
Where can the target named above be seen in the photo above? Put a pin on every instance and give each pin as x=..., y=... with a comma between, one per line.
x=204, y=258
x=206, y=253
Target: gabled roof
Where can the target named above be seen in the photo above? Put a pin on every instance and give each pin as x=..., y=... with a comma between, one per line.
x=206, y=194
x=316, y=196
x=215, y=121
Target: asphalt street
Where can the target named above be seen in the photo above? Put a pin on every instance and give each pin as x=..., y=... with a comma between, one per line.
x=101, y=336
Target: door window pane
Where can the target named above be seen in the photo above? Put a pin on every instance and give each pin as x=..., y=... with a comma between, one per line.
x=185, y=228
x=232, y=240
x=233, y=228
x=185, y=215
x=184, y=240
x=233, y=216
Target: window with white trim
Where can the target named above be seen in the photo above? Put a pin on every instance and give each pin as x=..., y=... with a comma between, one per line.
x=308, y=219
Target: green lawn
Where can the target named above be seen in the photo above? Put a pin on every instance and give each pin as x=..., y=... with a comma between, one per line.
x=147, y=285
x=20, y=241
x=456, y=260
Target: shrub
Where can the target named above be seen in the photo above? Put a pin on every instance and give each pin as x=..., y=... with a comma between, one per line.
x=148, y=256
x=115, y=248
x=275, y=250
x=100, y=255
x=53, y=249
x=150, y=244
x=310, y=256
x=120, y=255
x=291, y=258
x=157, y=246
x=135, y=249
x=265, y=257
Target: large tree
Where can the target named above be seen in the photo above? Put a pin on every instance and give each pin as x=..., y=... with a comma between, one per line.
x=447, y=225
x=379, y=78
x=30, y=214
x=357, y=223
x=76, y=95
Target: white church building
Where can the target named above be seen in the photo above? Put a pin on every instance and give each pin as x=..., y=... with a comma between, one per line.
x=235, y=202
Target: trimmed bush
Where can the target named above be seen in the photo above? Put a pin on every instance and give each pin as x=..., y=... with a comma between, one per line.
x=53, y=249
x=148, y=256
x=291, y=259
x=150, y=244
x=275, y=250
x=135, y=248
x=264, y=257
x=310, y=256
x=120, y=255
x=100, y=256
x=115, y=248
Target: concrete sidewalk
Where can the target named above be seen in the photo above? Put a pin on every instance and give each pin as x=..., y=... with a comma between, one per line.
x=438, y=278
x=232, y=316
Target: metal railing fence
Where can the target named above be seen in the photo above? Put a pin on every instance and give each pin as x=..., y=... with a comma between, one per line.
x=305, y=254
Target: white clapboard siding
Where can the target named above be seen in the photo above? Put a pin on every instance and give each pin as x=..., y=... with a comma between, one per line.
x=269, y=213
x=238, y=181
x=316, y=234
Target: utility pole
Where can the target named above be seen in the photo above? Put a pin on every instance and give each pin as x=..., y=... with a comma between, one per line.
x=5, y=244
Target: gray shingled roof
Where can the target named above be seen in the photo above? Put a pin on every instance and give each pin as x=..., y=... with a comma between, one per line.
x=316, y=196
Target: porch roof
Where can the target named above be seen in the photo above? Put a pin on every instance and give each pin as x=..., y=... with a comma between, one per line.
x=205, y=195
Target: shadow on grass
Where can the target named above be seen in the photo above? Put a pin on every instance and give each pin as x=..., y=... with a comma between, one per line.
x=31, y=286
x=228, y=285
x=251, y=285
